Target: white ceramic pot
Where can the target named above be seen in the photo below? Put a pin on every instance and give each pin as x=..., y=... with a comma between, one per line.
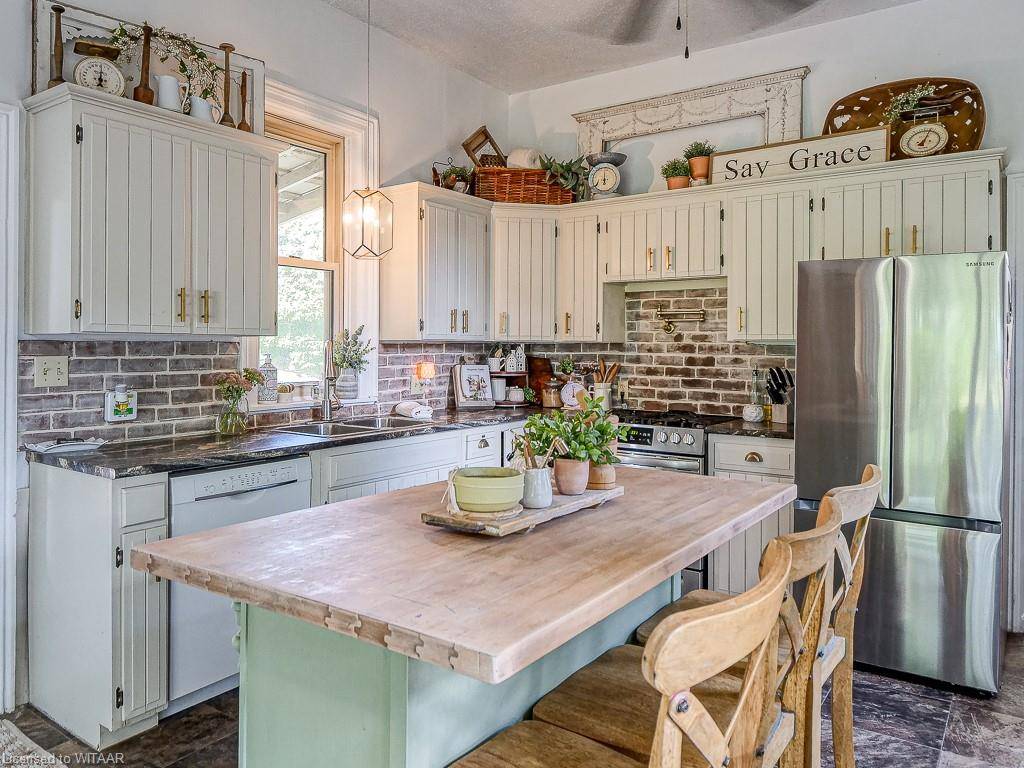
x=516, y=395
x=169, y=92
x=537, y=488
x=498, y=389
x=203, y=110
x=494, y=364
x=347, y=386
x=753, y=413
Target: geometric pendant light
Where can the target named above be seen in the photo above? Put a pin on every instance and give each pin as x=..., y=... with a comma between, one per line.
x=367, y=214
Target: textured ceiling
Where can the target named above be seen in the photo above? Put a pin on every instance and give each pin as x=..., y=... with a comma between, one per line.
x=519, y=45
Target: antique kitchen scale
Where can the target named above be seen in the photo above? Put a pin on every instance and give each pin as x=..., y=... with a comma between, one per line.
x=605, y=177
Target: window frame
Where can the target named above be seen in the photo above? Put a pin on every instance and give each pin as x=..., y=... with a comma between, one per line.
x=333, y=147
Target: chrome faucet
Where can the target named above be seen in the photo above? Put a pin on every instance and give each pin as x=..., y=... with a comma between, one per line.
x=329, y=402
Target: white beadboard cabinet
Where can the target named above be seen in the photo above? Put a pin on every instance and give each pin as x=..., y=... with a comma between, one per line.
x=434, y=282
x=523, y=273
x=734, y=566
x=145, y=221
x=79, y=575
x=587, y=309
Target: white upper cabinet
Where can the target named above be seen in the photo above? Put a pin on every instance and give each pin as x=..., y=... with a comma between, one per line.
x=434, y=282
x=861, y=219
x=691, y=240
x=143, y=221
x=950, y=212
x=586, y=308
x=523, y=275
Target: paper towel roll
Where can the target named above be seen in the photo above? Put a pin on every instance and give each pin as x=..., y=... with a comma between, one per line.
x=524, y=158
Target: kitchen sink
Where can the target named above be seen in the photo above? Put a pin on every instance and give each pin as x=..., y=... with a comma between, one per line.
x=326, y=429
x=387, y=422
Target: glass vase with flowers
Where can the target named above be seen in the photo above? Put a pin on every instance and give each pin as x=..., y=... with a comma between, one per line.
x=232, y=388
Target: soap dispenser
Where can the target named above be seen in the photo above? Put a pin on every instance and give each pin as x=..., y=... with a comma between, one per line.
x=121, y=405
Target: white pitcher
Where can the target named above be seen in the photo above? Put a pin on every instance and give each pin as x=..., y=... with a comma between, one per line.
x=169, y=92
x=201, y=109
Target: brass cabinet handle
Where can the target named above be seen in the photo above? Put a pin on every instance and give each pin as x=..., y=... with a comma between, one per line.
x=454, y=313
x=913, y=239
x=205, y=295
x=483, y=443
x=465, y=321
x=650, y=259
x=739, y=315
x=887, y=249
x=503, y=323
x=754, y=457
x=181, y=304
x=568, y=323
x=668, y=258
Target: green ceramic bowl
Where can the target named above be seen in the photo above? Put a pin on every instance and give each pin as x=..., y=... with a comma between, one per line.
x=488, y=489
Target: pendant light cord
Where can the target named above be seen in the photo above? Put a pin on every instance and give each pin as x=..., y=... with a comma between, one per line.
x=367, y=94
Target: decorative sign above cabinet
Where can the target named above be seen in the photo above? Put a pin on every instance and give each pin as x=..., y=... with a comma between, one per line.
x=791, y=158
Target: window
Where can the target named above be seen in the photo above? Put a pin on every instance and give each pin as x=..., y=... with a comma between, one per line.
x=309, y=195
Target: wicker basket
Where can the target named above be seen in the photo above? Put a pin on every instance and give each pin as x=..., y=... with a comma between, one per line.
x=518, y=185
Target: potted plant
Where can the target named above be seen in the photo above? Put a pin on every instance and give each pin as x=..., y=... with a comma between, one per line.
x=571, y=175
x=351, y=356
x=699, y=155
x=456, y=177
x=231, y=388
x=676, y=173
x=605, y=434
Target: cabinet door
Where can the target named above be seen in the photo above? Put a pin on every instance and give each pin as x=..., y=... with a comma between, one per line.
x=768, y=235
x=143, y=631
x=734, y=566
x=134, y=235
x=441, y=270
x=948, y=213
x=472, y=275
x=524, y=279
x=646, y=244
x=861, y=221
x=388, y=484
x=609, y=245
x=691, y=240
x=576, y=279
x=234, y=242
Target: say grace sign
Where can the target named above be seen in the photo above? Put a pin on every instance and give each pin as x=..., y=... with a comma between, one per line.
x=792, y=158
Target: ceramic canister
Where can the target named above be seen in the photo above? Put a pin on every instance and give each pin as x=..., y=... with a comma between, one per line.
x=498, y=389
x=537, y=488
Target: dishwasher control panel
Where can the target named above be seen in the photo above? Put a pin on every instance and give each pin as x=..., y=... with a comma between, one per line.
x=231, y=482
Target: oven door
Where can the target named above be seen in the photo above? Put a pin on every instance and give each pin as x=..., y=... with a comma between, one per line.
x=694, y=465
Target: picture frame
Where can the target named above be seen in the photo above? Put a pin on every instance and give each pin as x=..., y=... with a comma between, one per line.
x=82, y=23
x=472, y=386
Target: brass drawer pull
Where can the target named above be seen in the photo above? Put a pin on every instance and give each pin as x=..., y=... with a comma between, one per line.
x=205, y=295
x=887, y=235
x=454, y=313
x=739, y=318
x=668, y=258
x=465, y=321
x=568, y=323
x=754, y=458
x=503, y=323
x=650, y=259
x=913, y=239
x=181, y=304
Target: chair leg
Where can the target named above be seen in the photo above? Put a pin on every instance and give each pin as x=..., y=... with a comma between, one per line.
x=842, y=709
x=812, y=734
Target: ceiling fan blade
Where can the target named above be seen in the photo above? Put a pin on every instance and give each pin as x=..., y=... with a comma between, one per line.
x=625, y=23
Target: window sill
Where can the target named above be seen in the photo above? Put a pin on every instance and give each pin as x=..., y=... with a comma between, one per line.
x=298, y=405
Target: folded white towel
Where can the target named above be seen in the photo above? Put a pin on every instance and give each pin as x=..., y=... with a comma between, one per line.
x=414, y=410
x=524, y=157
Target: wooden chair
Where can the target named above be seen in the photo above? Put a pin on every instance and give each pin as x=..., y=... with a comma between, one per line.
x=606, y=702
x=683, y=665
x=827, y=620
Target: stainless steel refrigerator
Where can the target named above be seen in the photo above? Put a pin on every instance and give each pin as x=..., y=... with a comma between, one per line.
x=904, y=362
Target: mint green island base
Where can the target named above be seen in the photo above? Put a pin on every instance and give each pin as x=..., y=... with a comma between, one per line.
x=313, y=697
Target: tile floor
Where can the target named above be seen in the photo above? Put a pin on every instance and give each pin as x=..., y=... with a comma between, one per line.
x=898, y=723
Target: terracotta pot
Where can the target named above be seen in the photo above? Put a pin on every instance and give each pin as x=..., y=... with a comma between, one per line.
x=602, y=477
x=678, y=182
x=699, y=167
x=571, y=476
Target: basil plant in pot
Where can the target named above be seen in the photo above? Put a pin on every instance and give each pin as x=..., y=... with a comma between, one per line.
x=676, y=173
x=351, y=356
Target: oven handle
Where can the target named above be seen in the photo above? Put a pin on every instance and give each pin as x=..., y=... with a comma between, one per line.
x=679, y=464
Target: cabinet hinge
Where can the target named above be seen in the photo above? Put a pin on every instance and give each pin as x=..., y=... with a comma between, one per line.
x=721, y=259
x=823, y=204
x=823, y=253
x=118, y=557
x=599, y=227
x=422, y=214
x=421, y=323
x=990, y=242
x=275, y=179
x=810, y=204
x=118, y=697
x=606, y=269
x=990, y=186
x=598, y=327
x=721, y=214
x=80, y=135
x=556, y=328
x=556, y=230
x=78, y=309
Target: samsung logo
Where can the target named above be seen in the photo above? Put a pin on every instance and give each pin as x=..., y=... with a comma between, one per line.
x=980, y=264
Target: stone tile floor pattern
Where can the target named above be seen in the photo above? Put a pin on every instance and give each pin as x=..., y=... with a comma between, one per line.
x=897, y=723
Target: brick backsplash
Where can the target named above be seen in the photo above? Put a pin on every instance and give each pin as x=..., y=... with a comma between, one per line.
x=696, y=368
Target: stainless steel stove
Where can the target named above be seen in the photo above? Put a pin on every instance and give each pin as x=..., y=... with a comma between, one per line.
x=666, y=439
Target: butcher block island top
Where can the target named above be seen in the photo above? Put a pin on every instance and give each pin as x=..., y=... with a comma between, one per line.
x=483, y=607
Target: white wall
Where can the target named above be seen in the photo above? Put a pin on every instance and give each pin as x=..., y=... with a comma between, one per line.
x=426, y=108
x=977, y=40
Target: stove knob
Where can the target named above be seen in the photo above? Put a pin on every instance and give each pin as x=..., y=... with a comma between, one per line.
x=675, y=438
x=662, y=437
x=688, y=439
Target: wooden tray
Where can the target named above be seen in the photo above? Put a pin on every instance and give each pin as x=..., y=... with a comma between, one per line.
x=491, y=525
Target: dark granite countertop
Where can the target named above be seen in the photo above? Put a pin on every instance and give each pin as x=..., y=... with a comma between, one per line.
x=213, y=451
x=751, y=429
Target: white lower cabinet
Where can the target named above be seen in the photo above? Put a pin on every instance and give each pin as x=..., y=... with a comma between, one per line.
x=734, y=566
x=97, y=627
